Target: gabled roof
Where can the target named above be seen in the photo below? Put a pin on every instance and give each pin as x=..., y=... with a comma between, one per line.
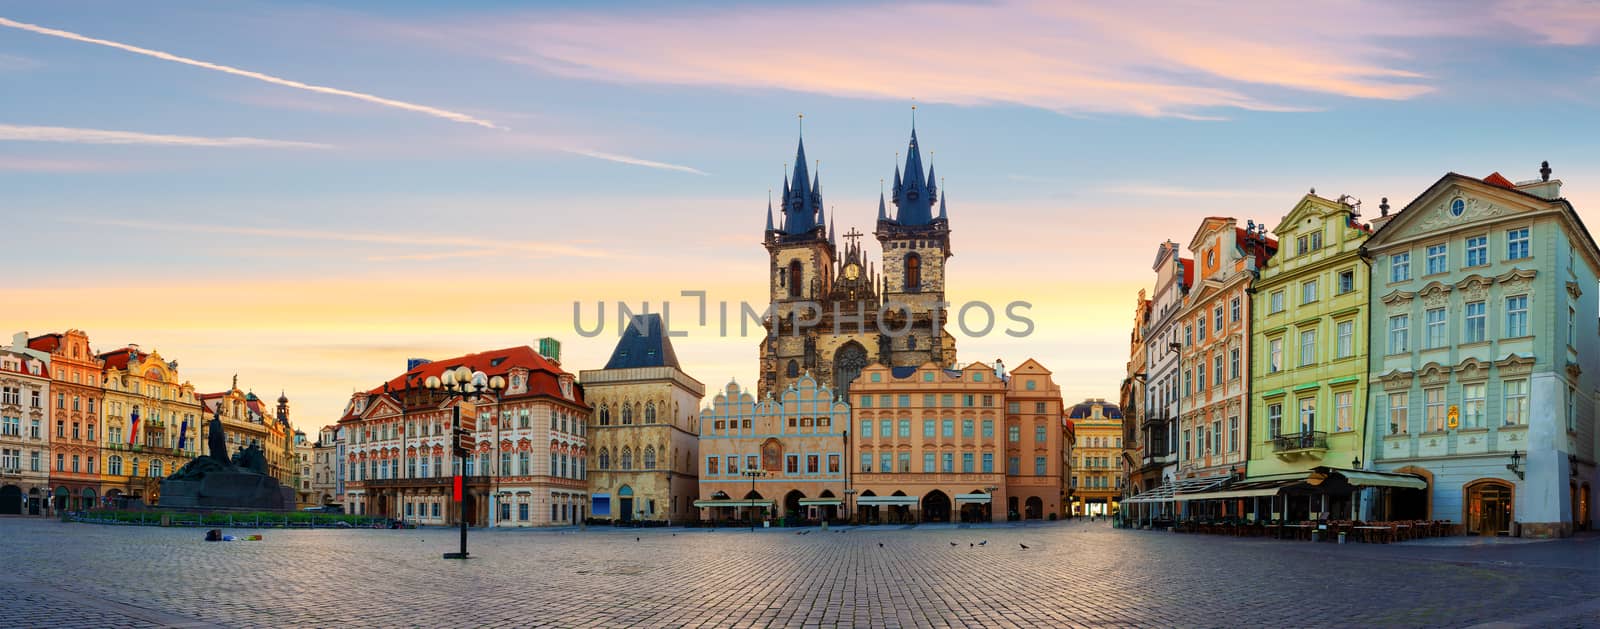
x=1451, y=177
x=45, y=343
x=119, y=359
x=647, y=348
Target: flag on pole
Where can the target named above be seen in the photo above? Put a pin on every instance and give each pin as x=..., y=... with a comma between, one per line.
x=133, y=433
x=183, y=433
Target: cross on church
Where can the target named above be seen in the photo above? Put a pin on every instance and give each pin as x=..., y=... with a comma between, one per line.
x=853, y=236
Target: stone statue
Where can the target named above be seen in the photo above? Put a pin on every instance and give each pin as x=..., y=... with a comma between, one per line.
x=215, y=443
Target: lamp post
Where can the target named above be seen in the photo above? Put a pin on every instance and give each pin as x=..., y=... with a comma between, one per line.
x=470, y=385
x=754, y=474
x=849, y=504
x=991, y=489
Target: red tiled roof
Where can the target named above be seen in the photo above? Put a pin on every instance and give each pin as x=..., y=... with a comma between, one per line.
x=119, y=359
x=45, y=343
x=1496, y=179
x=543, y=376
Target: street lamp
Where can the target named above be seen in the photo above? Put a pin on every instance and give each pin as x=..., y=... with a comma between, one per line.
x=991, y=489
x=754, y=474
x=469, y=385
x=850, y=509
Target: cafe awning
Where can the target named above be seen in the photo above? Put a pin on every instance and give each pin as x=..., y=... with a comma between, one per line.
x=893, y=501
x=711, y=504
x=1169, y=490
x=1248, y=489
x=821, y=502
x=1364, y=478
x=981, y=499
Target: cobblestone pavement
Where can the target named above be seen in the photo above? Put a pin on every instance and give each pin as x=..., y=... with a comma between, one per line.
x=1073, y=574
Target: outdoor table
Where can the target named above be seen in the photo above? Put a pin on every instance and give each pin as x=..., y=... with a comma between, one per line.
x=1367, y=532
x=1300, y=530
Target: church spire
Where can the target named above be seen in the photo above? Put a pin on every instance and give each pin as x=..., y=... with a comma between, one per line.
x=801, y=198
x=942, y=216
x=883, y=212
x=913, y=196
x=769, y=209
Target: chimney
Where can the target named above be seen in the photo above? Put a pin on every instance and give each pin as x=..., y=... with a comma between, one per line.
x=1544, y=187
x=999, y=369
x=19, y=340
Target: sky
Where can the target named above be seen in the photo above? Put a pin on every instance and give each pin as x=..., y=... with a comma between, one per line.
x=307, y=194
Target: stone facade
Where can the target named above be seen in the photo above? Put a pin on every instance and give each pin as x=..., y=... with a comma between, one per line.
x=795, y=443
x=1309, y=316
x=327, y=467
x=1485, y=356
x=832, y=312
x=1136, y=472
x=644, y=431
x=1163, y=341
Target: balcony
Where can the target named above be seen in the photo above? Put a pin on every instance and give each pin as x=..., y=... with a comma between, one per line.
x=1311, y=443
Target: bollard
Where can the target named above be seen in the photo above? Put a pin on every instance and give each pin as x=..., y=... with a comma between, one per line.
x=1316, y=536
x=1341, y=537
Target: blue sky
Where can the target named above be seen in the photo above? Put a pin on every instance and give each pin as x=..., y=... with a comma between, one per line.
x=311, y=240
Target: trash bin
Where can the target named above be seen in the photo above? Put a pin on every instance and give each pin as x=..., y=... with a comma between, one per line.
x=1341, y=536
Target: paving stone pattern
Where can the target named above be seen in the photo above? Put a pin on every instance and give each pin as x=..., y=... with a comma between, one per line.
x=1073, y=574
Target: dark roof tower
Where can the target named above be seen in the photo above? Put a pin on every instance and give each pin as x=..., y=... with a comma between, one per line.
x=644, y=343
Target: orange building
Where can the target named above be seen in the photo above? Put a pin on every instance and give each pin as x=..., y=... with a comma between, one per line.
x=934, y=444
x=74, y=422
x=1215, y=324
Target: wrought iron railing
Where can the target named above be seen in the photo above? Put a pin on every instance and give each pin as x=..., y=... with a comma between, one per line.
x=1307, y=440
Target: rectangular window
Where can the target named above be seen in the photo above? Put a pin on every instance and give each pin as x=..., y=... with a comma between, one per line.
x=1477, y=251
x=1516, y=316
x=988, y=429
x=1316, y=240
x=712, y=465
x=1308, y=414
x=1013, y=407
x=1233, y=364
x=1217, y=318
x=1399, y=414
x=1347, y=281
x=1235, y=310
x=947, y=428
x=522, y=511
x=866, y=462
x=886, y=401
x=904, y=401
x=1473, y=328
x=905, y=461
x=1516, y=403
x=1039, y=436
x=905, y=429
x=1308, y=292
x=1274, y=419
x=813, y=464
x=1433, y=403
x=1343, y=411
x=1275, y=302
x=1038, y=408
x=1345, y=346
x=1517, y=244
x=1438, y=258
x=1274, y=355
x=866, y=429
x=930, y=428
x=1572, y=327
x=1014, y=465
x=866, y=401
x=1216, y=368
x=1572, y=416
x=988, y=463
x=928, y=463
x=1472, y=407
x=966, y=429
x=947, y=400
x=1040, y=465
x=886, y=462
x=791, y=464
x=966, y=463
x=928, y=398
x=1400, y=267
x=886, y=428
x=1433, y=328
x=1399, y=333
x=1187, y=453
x=1308, y=347
x=1233, y=433
x=1201, y=325
x=1300, y=246
x=1014, y=434
x=1200, y=378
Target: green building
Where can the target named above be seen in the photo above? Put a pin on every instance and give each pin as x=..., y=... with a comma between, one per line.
x=1309, y=369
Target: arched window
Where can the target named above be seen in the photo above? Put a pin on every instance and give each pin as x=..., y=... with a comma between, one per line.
x=793, y=370
x=795, y=277
x=649, y=457
x=650, y=413
x=627, y=458
x=605, y=416
x=114, y=465
x=155, y=468
x=627, y=414
x=605, y=459
x=913, y=272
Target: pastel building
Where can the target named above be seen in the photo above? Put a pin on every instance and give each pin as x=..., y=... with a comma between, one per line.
x=1310, y=331
x=1485, y=356
x=24, y=443
x=643, y=432
x=1215, y=325
x=1096, y=459
x=152, y=423
x=779, y=456
x=75, y=424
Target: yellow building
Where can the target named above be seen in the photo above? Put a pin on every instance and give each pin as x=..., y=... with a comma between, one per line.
x=152, y=423
x=644, y=431
x=1097, y=470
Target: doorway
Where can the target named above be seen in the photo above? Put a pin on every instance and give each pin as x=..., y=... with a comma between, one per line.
x=10, y=500
x=1489, y=507
x=936, y=507
x=625, y=503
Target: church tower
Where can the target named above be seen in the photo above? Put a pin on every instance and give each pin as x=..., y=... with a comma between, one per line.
x=916, y=245
x=801, y=256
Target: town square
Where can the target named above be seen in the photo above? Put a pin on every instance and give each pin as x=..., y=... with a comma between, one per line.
x=878, y=314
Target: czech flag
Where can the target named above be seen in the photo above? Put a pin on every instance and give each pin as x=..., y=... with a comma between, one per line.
x=183, y=433
x=133, y=434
